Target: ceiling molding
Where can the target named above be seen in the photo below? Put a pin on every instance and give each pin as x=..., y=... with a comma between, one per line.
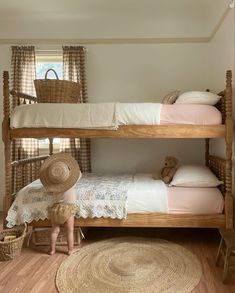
x=220, y=22
x=106, y=41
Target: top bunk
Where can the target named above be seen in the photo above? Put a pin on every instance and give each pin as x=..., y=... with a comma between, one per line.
x=34, y=120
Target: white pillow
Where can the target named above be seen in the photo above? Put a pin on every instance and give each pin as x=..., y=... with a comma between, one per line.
x=194, y=176
x=203, y=98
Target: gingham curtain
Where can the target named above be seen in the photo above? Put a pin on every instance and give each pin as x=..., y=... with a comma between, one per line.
x=23, y=72
x=74, y=69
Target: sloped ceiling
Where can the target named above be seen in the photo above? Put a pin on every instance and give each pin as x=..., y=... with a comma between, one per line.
x=74, y=19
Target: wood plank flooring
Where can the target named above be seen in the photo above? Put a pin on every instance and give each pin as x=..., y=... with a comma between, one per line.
x=34, y=271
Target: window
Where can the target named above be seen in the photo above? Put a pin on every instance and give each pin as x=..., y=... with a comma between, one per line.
x=45, y=61
x=48, y=60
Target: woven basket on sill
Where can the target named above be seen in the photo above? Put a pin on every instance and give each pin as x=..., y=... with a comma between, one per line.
x=11, y=249
x=57, y=91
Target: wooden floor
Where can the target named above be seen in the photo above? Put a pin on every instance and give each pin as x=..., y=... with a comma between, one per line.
x=34, y=271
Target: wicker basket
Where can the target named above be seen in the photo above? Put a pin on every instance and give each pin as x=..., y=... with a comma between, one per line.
x=11, y=249
x=57, y=91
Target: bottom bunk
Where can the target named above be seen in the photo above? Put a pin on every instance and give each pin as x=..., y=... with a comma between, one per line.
x=131, y=201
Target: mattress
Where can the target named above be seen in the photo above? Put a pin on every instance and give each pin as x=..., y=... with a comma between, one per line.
x=144, y=195
x=189, y=200
x=190, y=114
x=111, y=115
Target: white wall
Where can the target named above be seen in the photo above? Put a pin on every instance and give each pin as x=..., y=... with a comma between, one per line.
x=145, y=73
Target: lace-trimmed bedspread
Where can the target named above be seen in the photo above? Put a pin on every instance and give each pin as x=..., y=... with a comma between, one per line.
x=98, y=196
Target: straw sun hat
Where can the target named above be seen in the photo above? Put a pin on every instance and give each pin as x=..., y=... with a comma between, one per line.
x=59, y=172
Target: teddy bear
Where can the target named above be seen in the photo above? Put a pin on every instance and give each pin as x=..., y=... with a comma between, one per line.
x=168, y=171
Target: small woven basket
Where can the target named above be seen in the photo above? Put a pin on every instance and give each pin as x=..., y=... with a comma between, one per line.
x=57, y=91
x=11, y=249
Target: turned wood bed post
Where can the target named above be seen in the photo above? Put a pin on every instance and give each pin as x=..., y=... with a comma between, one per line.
x=51, y=147
x=7, y=146
x=229, y=141
x=207, y=151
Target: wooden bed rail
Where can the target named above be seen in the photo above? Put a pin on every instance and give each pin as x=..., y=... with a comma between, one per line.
x=26, y=171
x=22, y=98
x=26, y=161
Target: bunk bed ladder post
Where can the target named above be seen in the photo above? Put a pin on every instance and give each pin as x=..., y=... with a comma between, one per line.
x=229, y=141
x=51, y=149
x=7, y=146
x=207, y=148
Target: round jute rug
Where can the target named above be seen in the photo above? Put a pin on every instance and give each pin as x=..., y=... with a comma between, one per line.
x=133, y=265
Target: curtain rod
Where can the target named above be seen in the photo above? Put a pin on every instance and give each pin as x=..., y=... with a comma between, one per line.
x=48, y=50
x=52, y=51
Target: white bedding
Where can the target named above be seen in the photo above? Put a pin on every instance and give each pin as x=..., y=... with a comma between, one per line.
x=90, y=115
x=143, y=195
x=146, y=195
x=102, y=115
x=138, y=113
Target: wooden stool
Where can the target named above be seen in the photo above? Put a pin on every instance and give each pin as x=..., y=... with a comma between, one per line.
x=228, y=241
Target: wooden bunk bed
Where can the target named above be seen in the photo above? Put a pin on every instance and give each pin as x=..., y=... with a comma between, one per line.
x=221, y=167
